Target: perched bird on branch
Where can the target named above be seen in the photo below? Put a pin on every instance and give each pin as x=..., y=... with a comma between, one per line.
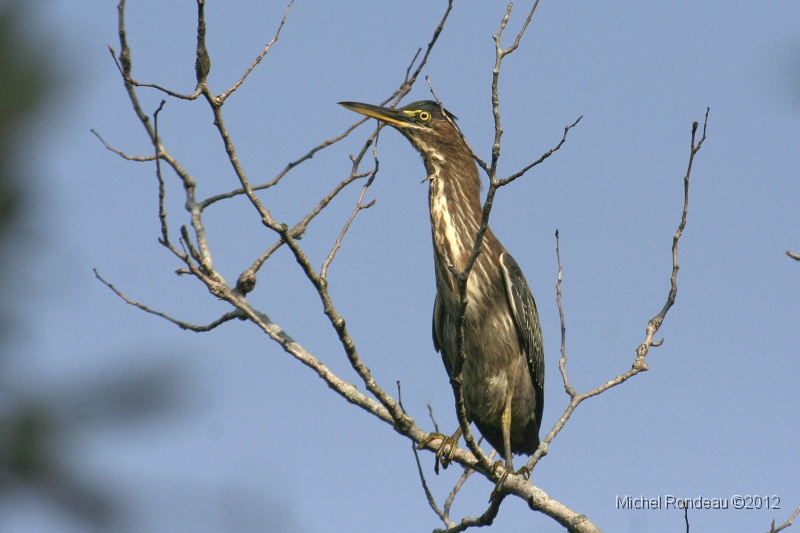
x=503, y=370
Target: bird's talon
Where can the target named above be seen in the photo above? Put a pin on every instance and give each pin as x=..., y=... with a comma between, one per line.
x=497, y=467
x=447, y=448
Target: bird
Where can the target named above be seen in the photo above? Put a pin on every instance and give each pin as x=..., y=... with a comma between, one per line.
x=503, y=371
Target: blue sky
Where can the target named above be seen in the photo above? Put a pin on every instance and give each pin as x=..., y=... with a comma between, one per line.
x=256, y=442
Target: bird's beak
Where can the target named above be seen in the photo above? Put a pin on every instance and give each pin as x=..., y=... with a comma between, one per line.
x=394, y=117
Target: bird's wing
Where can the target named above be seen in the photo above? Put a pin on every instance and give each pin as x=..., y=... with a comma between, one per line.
x=437, y=317
x=526, y=318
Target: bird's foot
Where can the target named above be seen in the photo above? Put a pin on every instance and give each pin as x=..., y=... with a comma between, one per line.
x=524, y=472
x=446, y=449
x=499, y=469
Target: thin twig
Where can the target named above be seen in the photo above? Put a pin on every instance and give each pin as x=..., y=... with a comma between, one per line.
x=236, y=313
x=460, y=483
x=512, y=177
x=128, y=79
x=562, y=363
x=433, y=419
x=224, y=96
x=124, y=64
x=639, y=364
x=786, y=524
x=686, y=517
x=360, y=206
x=428, y=494
x=408, y=83
x=139, y=158
x=486, y=519
x=499, y=55
x=299, y=229
x=522, y=30
x=274, y=181
x=162, y=193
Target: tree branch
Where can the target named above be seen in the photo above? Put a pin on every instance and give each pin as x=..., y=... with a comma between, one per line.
x=639, y=364
x=194, y=252
x=786, y=524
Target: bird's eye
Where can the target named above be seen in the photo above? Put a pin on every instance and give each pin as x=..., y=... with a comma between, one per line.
x=424, y=116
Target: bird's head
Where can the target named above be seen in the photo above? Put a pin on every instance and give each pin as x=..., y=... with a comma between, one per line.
x=424, y=123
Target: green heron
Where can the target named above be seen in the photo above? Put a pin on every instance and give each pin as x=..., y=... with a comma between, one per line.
x=503, y=373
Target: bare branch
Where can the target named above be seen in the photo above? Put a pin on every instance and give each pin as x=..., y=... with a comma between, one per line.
x=197, y=258
x=498, y=129
x=460, y=483
x=162, y=193
x=486, y=519
x=238, y=192
x=786, y=524
x=142, y=158
x=360, y=206
x=180, y=323
x=433, y=419
x=428, y=494
x=408, y=83
x=522, y=30
x=512, y=177
x=562, y=363
x=125, y=71
x=656, y=321
x=124, y=64
x=686, y=517
x=224, y=96
x=639, y=364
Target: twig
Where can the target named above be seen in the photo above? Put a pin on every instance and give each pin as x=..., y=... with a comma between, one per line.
x=162, y=193
x=125, y=71
x=408, y=83
x=460, y=483
x=639, y=364
x=512, y=177
x=224, y=96
x=196, y=255
x=562, y=362
x=274, y=181
x=786, y=524
x=360, y=206
x=486, y=519
x=236, y=313
x=124, y=64
x=141, y=158
x=433, y=419
x=686, y=517
x=428, y=494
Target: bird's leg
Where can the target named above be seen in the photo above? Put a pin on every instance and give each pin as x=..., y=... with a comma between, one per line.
x=446, y=449
x=505, y=427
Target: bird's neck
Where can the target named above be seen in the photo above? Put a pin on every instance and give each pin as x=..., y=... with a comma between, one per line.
x=455, y=209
